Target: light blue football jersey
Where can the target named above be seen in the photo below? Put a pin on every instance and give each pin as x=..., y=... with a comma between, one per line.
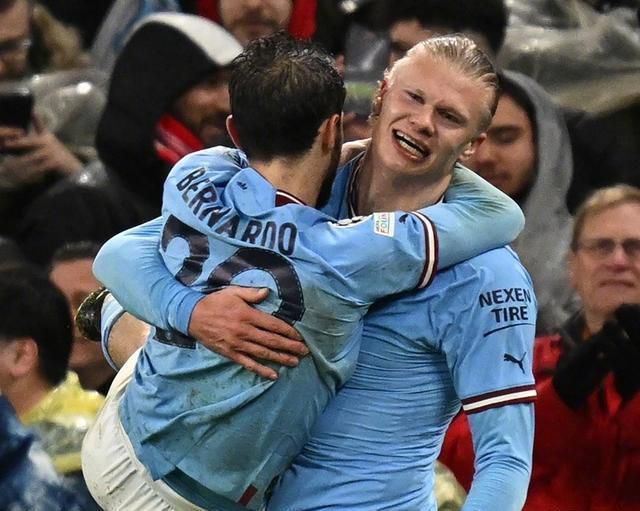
x=465, y=341
x=223, y=226
x=191, y=409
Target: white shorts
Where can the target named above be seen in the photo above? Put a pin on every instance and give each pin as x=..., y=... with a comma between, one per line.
x=114, y=476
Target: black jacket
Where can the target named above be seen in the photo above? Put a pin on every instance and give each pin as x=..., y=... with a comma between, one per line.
x=161, y=60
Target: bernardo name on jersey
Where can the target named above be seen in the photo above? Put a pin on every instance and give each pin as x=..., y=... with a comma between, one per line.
x=202, y=423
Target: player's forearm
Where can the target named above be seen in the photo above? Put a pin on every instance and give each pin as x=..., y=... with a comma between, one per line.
x=130, y=266
x=476, y=217
x=120, y=333
x=127, y=335
x=503, y=442
x=501, y=487
x=486, y=202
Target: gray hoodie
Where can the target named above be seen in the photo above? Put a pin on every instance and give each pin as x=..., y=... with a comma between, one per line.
x=544, y=243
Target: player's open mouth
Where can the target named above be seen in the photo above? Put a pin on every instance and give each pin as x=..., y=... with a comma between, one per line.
x=410, y=145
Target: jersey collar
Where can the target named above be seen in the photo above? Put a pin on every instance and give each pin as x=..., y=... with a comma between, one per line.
x=284, y=198
x=352, y=186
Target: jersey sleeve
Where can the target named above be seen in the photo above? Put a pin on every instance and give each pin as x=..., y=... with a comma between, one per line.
x=131, y=267
x=387, y=253
x=489, y=344
x=503, y=458
x=375, y=256
x=476, y=217
x=130, y=264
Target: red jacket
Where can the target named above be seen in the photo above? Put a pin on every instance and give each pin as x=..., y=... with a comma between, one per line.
x=582, y=461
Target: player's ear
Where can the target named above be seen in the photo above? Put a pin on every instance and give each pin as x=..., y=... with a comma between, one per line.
x=24, y=355
x=383, y=86
x=233, y=132
x=472, y=146
x=329, y=131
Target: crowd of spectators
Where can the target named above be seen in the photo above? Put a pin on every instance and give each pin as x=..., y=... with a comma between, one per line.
x=118, y=92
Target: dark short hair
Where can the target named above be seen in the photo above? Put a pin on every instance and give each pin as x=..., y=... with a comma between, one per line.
x=522, y=99
x=486, y=17
x=31, y=306
x=74, y=251
x=281, y=91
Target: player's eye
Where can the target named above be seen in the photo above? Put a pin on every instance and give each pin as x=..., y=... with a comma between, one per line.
x=450, y=116
x=415, y=97
x=506, y=138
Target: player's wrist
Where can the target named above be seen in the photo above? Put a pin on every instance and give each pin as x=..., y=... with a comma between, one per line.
x=184, y=312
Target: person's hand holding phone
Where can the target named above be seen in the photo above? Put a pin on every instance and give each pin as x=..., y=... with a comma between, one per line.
x=8, y=134
x=35, y=154
x=28, y=149
x=16, y=109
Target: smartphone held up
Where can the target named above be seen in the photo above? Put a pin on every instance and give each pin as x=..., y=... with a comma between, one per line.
x=16, y=110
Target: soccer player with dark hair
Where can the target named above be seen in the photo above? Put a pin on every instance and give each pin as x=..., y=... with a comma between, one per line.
x=210, y=434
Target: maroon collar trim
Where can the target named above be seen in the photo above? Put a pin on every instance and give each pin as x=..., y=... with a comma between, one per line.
x=352, y=188
x=284, y=198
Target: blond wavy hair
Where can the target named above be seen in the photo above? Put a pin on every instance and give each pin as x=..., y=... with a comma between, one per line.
x=61, y=44
x=463, y=54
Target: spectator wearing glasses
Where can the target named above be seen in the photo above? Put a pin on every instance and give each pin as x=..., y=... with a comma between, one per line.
x=33, y=42
x=587, y=445
x=13, y=54
x=71, y=272
x=15, y=38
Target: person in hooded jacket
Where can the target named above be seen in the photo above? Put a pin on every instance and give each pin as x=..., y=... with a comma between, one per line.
x=527, y=155
x=167, y=97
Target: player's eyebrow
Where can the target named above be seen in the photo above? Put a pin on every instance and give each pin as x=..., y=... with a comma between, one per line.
x=445, y=106
x=504, y=129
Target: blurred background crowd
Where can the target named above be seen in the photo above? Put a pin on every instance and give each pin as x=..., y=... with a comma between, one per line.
x=99, y=99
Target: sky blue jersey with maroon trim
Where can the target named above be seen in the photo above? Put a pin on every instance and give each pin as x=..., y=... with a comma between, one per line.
x=466, y=341
x=224, y=224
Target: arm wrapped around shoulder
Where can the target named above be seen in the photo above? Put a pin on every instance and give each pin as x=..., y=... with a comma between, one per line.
x=475, y=217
